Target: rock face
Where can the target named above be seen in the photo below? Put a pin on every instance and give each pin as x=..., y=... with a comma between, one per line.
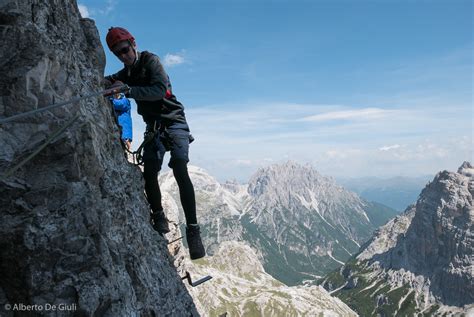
x=240, y=287
x=74, y=224
x=422, y=261
x=301, y=223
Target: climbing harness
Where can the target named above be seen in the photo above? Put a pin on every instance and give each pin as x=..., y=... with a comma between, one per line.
x=137, y=155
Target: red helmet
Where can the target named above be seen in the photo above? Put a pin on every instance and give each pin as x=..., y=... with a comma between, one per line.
x=117, y=35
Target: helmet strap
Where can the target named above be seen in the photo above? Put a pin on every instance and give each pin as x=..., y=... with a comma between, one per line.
x=134, y=46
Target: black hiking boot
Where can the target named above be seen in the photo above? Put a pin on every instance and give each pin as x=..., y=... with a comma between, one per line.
x=193, y=236
x=159, y=222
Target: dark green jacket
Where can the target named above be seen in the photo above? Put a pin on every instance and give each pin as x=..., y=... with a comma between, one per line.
x=151, y=89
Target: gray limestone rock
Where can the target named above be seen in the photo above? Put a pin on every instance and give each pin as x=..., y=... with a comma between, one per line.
x=74, y=222
x=421, y=261
x=439, y=242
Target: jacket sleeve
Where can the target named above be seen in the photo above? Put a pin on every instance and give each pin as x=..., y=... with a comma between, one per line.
x=156, y=90
x=121, y=105
x=120, y=75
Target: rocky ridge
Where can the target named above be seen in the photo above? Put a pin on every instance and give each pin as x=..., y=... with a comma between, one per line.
x=421, y=261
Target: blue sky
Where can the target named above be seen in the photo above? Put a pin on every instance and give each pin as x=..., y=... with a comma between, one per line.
x=356, y=88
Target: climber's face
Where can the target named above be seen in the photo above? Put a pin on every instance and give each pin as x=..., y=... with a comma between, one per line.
x=125, y=51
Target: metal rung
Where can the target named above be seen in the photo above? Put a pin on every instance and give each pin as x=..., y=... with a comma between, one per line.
x=175, y=240
x=198, y=282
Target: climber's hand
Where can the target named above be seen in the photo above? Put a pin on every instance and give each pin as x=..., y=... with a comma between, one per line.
x=116, y=84
x=106, y=83
x=116, y=88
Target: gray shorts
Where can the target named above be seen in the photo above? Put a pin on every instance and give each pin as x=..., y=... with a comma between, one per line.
x=176, y=141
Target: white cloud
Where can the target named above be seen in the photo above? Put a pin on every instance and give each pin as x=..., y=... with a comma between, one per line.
x=107, y=8
x=389, y=147
x=233, y=140
x=111, y=4
x=174, y=59
x=243, y=162
x=83, y=10
x=342, y=153
x=366, y=113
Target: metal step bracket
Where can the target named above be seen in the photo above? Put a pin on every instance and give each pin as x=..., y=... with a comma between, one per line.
x=198, y=282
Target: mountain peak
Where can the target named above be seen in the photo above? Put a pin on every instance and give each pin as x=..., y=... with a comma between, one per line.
x=466, y=169
x=197, y=170
x=288, y=165
x=284, y=177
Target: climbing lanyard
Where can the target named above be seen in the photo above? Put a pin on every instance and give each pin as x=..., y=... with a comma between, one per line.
x=137, y=155
x=49, y=140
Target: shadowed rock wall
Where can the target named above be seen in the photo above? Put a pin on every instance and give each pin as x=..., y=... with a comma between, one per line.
x=74, y=224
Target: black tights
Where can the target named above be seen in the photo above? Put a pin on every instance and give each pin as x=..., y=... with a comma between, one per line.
x=152, y=189
x=186, y=189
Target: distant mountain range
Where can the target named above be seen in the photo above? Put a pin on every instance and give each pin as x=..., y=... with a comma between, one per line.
x=396, y=192
x=419, y=262
x=301, y=224
x=239, y=285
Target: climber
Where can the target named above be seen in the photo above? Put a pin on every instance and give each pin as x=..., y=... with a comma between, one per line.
x=151, y=88
x=122, y=109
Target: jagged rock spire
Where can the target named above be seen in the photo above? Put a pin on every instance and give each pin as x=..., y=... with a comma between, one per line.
x=427, y=253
